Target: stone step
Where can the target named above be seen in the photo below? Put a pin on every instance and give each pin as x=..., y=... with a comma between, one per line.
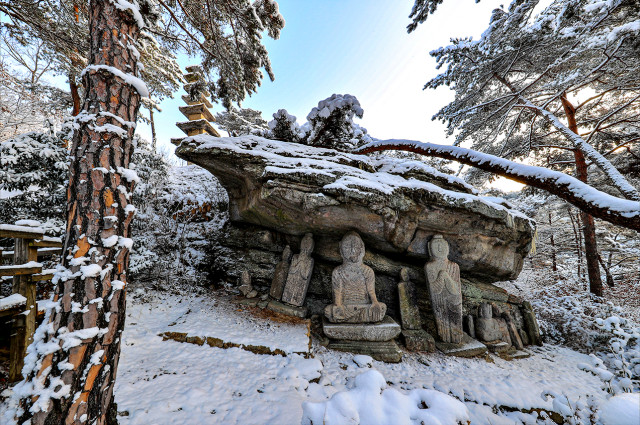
x=387, y=351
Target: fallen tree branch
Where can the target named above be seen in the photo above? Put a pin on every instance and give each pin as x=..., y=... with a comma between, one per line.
x=622, y=212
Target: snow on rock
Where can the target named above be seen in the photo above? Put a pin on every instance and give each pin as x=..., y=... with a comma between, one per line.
x=293, y=189
x=371, y=402
x=622, y=409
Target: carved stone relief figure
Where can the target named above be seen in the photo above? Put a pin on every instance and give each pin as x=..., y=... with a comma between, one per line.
x=487, y=327
x=280, y=274
x=246, y=288
x=295, y=289
x=443, y=277
x=353, y=285
x=409, y=311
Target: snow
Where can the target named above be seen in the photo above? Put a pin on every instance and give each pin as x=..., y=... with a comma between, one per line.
x=28, y=223
x=110, y=128
x=16, y=228
x=19, y=266
x=132, y=80
x=624, y=207
x=11, y=301
x=110, y=241
x=133, y=8
x=623, y=409
x=336, y=101
x=91, y=270
x=165, y=382
x=371, y=402
x=285, y=158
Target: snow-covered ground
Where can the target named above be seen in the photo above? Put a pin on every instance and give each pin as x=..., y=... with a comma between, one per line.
x=169, y=382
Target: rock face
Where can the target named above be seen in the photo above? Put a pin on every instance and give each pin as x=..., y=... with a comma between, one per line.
x=280, y=191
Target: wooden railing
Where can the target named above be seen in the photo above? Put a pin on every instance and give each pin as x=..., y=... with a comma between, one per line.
x=30, y=243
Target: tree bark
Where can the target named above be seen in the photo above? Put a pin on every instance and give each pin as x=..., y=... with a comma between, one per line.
x=75, y=96
x=87, y=323
x=589, y=229
x=153, y=129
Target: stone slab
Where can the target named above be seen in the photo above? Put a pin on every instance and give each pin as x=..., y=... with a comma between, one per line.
x=289, y=310
x=386, y=351
x=520, y=355
x=418, y=340
x=498, y=346
x=385, y=330
x=469, y=347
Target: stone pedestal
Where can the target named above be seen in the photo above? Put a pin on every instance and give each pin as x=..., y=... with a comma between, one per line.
x=372, y=339
x=289, y=310
x=418, y=340
x=469, y=347
x=386, y=351
x=385, y=330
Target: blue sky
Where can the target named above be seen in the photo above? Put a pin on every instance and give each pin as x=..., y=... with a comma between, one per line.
x=359, y=47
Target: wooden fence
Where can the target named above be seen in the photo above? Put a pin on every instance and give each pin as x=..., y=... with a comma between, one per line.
x=26, y=271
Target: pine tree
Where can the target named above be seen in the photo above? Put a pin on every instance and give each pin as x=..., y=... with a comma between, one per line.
x=527, y=74
x=71, y=365
x=331, y=123
x=239, y=122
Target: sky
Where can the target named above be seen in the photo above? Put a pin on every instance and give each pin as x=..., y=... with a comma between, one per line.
x=359, y=47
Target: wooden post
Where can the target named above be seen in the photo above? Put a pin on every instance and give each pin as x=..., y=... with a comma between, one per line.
x=24, y=325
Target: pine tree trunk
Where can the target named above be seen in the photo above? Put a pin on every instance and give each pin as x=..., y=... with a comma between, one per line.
x=75, y=96
x=589, y=227
x=153, y=130
x=90, y=294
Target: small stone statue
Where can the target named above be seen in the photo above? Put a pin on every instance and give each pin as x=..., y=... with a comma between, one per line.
x=295, y=288
x=409, y=310
x=280, y=274
x=353, y=284
x=487, y=327
x=443, y=277
x=245, y=287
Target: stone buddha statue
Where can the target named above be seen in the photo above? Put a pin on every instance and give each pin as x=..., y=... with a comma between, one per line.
x=353, y=284
x=299, y=275
x=443, y=277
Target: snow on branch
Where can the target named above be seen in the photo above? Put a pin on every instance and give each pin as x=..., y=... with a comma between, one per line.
x=622, y=212
x=589, y=152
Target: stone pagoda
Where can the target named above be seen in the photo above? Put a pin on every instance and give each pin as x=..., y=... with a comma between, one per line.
x=196, y=110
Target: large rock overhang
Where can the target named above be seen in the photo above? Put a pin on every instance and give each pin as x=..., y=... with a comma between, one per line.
x=396, y=205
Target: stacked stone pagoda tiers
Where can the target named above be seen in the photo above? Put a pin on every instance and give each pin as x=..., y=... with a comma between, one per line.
x=196, y=110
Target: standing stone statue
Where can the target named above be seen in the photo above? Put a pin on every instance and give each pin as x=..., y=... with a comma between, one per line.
x=409, y=310
x=246, y=288
x=443, y=277
x=295, y=288
x=353, y=284
x=280, y=274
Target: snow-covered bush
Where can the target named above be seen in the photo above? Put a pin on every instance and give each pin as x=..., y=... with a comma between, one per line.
x=34, y=170
x=331, y=123
x=571, y=319
x=622, y=358
x=284, y=127
x=177, y=208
